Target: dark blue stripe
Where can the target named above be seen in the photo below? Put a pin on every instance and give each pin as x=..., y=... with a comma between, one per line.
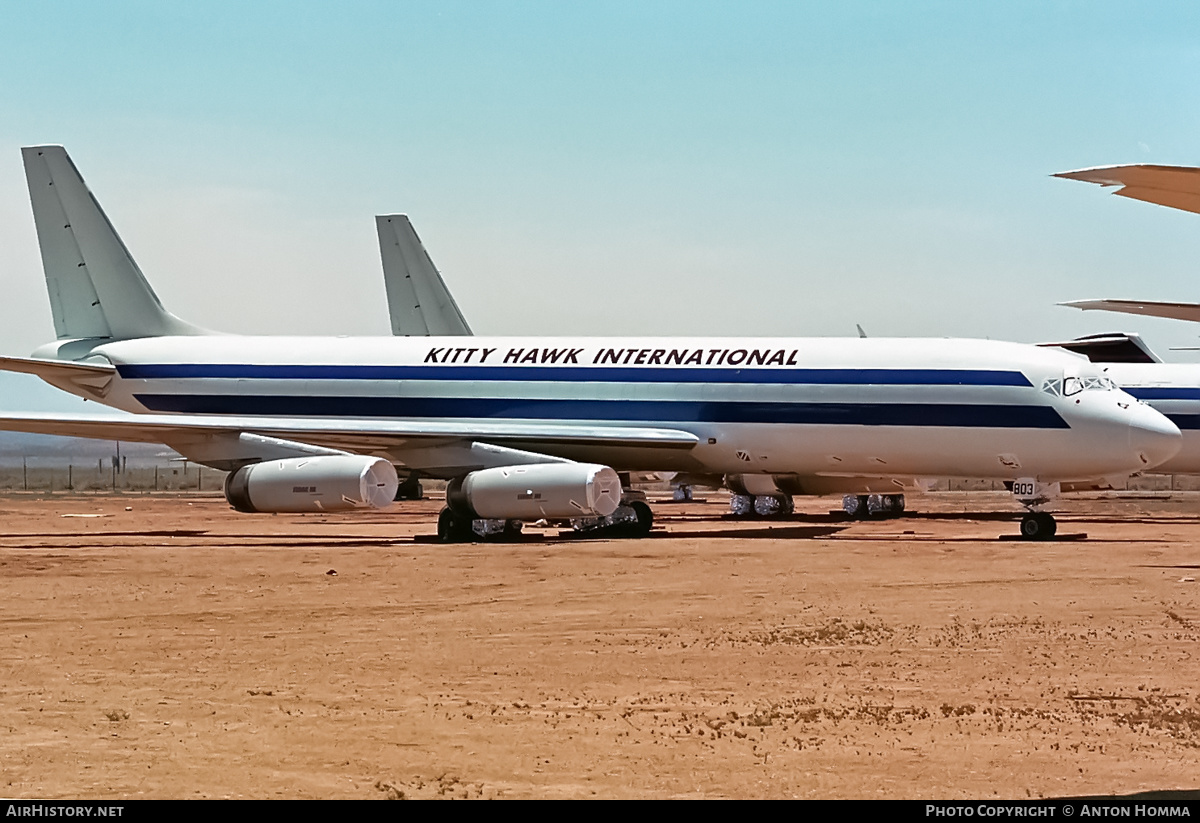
x=1164, y=393
x=581, y=374
x=658, y=411
x=1186, y=422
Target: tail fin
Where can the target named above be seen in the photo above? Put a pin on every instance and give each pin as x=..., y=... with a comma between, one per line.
x=96, y=289
x=418, y=300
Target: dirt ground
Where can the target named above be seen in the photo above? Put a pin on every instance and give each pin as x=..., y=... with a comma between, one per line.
x=160, y=646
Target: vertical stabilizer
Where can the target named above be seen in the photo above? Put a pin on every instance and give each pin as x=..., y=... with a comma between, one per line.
x=418, y=301
x=96, y=289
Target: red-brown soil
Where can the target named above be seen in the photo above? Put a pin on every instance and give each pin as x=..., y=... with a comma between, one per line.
x=179, y=649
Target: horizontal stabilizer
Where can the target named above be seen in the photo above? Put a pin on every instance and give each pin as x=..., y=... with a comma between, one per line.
x=1176, y=187
x=418, y=301
x=1175, y=311
x=93, y=378
x=33, y=365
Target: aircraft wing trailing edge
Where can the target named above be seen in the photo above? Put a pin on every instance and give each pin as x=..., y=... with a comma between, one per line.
x=1176, y=187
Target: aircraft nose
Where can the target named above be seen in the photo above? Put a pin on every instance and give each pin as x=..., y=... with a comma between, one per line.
x=1153, y=437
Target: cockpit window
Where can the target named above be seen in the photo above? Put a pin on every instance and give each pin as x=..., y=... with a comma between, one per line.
x=1071, y=386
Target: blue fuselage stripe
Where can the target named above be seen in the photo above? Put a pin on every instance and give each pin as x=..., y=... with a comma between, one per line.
x=660, y=411
x=1154, y=395
x=580, y=374
x=1186, y=422
x=1163, y=393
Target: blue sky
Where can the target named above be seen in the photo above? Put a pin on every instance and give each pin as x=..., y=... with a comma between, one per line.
x=615, y=167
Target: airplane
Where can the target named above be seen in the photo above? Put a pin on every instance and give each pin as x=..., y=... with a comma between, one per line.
x=527, y=428
x=1171, y=388
x=1176, y=187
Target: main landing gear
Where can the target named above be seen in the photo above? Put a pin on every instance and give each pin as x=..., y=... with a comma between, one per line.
x=873, y=506
x=761, y=505
x=633, y=518
x=454, y=527
x=409, y=489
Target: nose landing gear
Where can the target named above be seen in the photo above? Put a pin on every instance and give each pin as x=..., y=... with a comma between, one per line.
x=1033, y=494
x=1038, y=526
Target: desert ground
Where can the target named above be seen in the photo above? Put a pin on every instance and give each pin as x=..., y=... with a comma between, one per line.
x=163, y=646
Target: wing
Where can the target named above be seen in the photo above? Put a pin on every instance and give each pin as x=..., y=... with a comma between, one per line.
x=1175, y=311
x=1118, y=347
x=1177, y=187
x=436, y=447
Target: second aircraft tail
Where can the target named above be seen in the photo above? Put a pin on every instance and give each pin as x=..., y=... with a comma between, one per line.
x=418, y=300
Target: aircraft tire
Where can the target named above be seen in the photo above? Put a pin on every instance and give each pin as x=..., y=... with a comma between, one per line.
x=1038, y=526
x=410, y=489
x=453, y=527
x=741, y=505
x=863, y=511
x=645, y=519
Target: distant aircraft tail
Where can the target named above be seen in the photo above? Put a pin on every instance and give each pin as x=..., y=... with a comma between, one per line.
x=96, y=289
x=418, y=300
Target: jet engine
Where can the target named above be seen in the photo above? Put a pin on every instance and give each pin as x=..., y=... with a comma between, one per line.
x=313, y=484
x=535, y=491
x=753, y=484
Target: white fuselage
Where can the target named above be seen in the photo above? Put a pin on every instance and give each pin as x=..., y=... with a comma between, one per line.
x=1174, y=390
x=805, y=407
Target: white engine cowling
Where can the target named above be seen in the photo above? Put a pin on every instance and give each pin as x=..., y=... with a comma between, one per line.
x=313, y=484
x=535, y=491
x=752, y=484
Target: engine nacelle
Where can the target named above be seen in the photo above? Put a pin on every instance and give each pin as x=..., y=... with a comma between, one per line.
x=313, y=484
x=538, y=490
x=753, y=484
